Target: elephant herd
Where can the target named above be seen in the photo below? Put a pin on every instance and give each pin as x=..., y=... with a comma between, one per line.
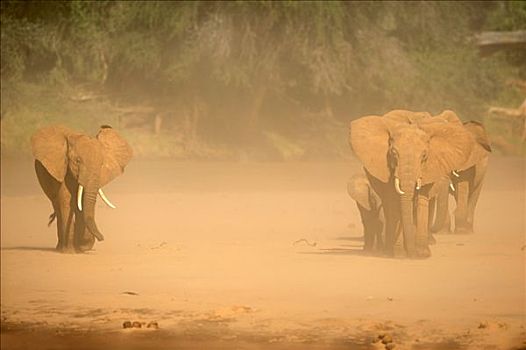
x=412, y=161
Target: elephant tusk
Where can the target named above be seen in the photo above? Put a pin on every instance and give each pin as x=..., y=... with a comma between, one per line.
x=105, y=199
x=397, y=186
x=452, y=187
x=79, y=197
x=418, y=183
x=455, y=173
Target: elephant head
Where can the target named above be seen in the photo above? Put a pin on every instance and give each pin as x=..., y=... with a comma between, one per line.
x=410, y=153
x=359, y=189
x=92, y=161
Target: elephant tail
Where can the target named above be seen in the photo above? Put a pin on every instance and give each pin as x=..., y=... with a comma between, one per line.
x=52, y=218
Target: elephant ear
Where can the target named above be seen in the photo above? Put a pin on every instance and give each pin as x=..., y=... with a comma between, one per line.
x=479, y=133
x=49, y=146
x=450, y=117
x=482, y=144
x=369, y=139
x=449, y=148
x=117, y=154
x=405, y=116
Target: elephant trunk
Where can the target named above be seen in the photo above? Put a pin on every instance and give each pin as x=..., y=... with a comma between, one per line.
x=406, y=190
x=406, y=207
x=90, y=198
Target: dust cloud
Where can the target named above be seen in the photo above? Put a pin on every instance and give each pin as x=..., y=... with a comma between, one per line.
x=255, y=256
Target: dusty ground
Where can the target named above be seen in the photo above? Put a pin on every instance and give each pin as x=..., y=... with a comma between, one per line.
x=207, y=250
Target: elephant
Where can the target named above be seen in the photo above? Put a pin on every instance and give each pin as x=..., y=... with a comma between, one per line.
x=371, y=212
x=72, y=168
x=404, y=153
x=467, y=183
x=439, y=220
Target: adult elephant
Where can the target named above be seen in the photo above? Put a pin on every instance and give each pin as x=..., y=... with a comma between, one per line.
x=403, y=157
x=371, y=213
x=467, y=183
x=72, y=168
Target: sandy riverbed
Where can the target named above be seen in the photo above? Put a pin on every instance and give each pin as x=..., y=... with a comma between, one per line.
x=207, y=251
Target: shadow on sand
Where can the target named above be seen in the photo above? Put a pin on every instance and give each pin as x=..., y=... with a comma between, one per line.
x=349, y=238
x=357, y=251
x=38, y=249
x=353, y=249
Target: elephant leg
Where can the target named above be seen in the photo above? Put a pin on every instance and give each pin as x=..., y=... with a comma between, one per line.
x=422, y=227
x=84, y=240
x=61, y=240
x=399, y=250
x=368, y=234
x=380, y=231
x=442, y=222
x=66, y=219
x=474, y=193
x=392, y=223
x=432, y=207
x=461, y=212
x=472, y=204
x=430, y=218
x=51, y=188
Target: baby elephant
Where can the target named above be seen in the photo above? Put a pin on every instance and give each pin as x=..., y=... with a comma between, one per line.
x=371, y=212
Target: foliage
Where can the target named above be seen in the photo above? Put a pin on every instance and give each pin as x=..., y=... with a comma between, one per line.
x=247, y=72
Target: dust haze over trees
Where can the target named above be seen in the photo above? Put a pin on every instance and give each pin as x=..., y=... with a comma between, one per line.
x=263, y=80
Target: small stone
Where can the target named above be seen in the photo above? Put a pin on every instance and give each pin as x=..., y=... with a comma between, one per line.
x=387, y=339
x=483, y=325
x=381, y=336
x=153, y=324
x=127, y=324
x=390, y=346
x=136, y=324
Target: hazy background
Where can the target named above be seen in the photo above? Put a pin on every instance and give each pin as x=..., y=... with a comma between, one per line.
x=249, y=80
x=258, y=246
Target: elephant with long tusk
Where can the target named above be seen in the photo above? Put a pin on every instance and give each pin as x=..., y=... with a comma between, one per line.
x=101, y=194
x=72, y=168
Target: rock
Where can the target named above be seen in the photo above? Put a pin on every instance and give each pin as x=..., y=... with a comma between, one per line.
x=483, y=325
x=136, y=324
x=390, y=346
x=127, y=324
x=387, y=339
x=153, y=324
x=130, y=293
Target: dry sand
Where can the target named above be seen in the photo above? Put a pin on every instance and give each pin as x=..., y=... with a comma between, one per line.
x=207, y=250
